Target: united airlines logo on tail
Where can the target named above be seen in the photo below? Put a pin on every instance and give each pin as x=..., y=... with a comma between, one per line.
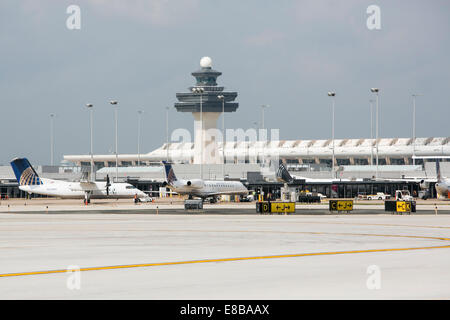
x=283, y=174
x=171, y=176
x=24, y=172
x=29, y=177
x=169, y=172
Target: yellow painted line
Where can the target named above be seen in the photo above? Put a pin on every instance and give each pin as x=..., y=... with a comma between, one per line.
x=220, y=260
x=249, y=258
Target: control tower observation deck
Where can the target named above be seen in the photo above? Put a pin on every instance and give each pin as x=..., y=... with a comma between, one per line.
x=206, y=101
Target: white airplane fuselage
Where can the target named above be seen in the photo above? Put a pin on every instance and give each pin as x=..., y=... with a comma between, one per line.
x=77, y=190
x=208, y=188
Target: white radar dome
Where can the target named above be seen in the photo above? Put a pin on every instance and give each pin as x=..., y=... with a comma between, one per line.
x=205, y=62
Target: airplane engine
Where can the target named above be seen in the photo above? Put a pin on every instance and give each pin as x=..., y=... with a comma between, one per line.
x=195, y=183
x=424, y=185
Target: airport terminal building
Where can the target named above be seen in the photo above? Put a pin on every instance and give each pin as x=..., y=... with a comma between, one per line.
x=296, y=153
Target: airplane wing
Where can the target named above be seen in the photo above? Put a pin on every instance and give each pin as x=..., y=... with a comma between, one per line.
x=88, y=186
x=157, y=192
x=211, y=194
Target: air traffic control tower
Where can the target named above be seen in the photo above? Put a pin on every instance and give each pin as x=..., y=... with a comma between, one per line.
x=206, y=101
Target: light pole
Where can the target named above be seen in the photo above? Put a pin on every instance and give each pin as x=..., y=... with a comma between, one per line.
x=200, y=91
x=52, y=139
x=371, y=131
x=332, y=95
x=90, y=106
x=167, y=134
x=377, y=121
x=114, y=104
x=221, y=97
x=264, y=106
x=140, y=112
x=414, y=128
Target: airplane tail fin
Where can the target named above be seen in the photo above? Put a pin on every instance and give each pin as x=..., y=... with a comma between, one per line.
x=283, y=174
x=24, y=172
x=170, y=174
x=438, y=171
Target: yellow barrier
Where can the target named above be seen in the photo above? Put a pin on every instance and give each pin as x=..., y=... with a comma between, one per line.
x=275, y=207
x=282, y=207
x=403, y=206
x=341, y=205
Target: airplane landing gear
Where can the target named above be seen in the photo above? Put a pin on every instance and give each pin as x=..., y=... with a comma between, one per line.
x=213, y=200
x=87, y=198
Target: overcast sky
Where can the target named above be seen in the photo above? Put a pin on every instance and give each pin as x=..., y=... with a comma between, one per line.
x=286, y=54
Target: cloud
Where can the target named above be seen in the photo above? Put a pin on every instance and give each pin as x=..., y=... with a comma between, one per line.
x=265, y=38
x=155, y=12
x=35, y=10
x=329, y=11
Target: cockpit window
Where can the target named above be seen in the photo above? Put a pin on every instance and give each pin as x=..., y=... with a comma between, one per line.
x=130, y=187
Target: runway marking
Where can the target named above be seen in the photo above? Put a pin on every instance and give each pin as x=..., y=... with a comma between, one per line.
x=219, y=260
x=295, y=255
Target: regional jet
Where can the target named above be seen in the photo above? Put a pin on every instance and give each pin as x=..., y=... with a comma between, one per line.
x=202, y=188
x=283, y=175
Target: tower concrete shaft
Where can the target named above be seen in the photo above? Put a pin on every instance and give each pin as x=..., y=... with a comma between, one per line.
x=206, y=136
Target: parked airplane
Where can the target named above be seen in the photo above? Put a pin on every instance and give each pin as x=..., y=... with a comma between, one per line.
x=442, y=185
x=30, y=182
x=202, y=188
x=283, y=175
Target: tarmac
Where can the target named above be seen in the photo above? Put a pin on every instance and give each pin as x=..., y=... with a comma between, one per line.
x=175, y=205
x=134, y=254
